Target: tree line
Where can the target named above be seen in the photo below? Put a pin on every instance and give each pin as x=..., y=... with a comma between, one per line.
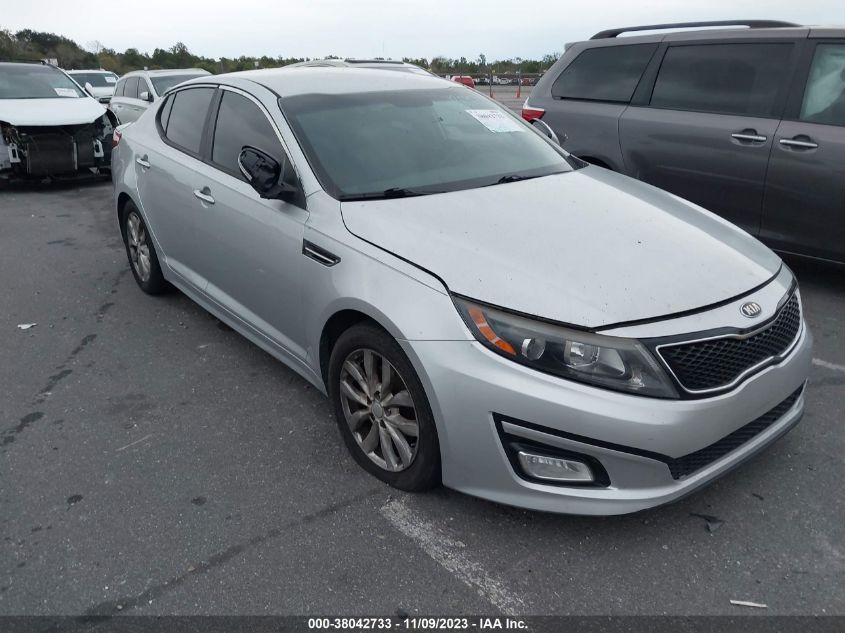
x=33, y=45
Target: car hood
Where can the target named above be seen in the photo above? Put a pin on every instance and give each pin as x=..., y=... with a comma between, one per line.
x=589, y=248
x=59, y=111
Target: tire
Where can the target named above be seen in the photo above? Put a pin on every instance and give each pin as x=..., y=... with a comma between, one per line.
x=142, y=256
x=369, y=412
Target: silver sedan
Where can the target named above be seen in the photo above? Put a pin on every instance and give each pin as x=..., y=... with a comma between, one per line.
x=483, y=309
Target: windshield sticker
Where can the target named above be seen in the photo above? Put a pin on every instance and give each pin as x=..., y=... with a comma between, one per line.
x=111, y=80
x=496, y=121
x=65, y=92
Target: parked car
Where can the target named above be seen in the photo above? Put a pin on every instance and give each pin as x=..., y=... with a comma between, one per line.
x=748, y=123
x=481, y=307
x=382, y=64
x=97, y=83
x=136, y=90
x=466, y=80
x=49, y=127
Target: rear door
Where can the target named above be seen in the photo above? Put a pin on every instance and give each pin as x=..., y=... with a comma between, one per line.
x=804, y=208
x=705, y=130
x=170, y=174
x=129, y=110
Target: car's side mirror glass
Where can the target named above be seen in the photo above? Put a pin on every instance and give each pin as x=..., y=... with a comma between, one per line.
x=264, y=173
x=145, y=96
x=545, y=130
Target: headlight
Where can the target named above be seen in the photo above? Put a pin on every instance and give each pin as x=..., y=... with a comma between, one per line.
x=605, y=361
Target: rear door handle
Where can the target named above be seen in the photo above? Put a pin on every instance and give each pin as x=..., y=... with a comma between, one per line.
x=204, y=194
x=791, y=142
x=142, y=161
x=755, y=138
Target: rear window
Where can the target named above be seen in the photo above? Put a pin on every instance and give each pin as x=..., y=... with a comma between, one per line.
x=609, y=73
x=740, y=79
x=187, y=118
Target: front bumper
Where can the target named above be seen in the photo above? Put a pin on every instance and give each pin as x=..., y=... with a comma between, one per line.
x=472, y=390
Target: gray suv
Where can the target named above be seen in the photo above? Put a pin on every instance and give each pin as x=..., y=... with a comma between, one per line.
x=748, y=123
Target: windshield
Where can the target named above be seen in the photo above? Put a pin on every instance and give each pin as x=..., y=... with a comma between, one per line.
x=165, y=82
x=97, y=80
x=412, y=142
x=34, y=81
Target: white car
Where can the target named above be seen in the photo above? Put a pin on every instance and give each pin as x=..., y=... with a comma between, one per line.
x=49, y=127
x=136, y=90
x=97, y=83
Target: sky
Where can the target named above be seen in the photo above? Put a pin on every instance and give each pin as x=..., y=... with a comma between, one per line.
x=384, y=28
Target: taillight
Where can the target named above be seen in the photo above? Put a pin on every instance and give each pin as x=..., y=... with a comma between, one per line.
x=115, y=138
x=532, y=114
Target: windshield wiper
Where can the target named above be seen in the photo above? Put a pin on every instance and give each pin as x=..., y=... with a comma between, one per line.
x=393, y=192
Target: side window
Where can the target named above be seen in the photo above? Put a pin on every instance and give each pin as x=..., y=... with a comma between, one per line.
x=131, y=88
x=118, y=89
x=240, y=122
x=824, y=97
x=740, y=79
x=164, y=113
x=187, y=118
x=609, y=73
x=143, y=86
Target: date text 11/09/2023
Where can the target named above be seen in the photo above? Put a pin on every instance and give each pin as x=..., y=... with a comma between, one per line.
x=422, y=623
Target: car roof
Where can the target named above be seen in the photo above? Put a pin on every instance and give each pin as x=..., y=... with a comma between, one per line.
x=291, y=81
x=703, y=31
x=167, y=71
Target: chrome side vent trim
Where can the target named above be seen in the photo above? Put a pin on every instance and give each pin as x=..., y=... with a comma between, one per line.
x=318, y=254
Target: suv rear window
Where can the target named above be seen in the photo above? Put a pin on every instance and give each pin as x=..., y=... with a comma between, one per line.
x=609, y=73
x=187, y=118
x=740, y=79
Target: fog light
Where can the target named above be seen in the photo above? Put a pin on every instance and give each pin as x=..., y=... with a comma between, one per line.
x=554, y=468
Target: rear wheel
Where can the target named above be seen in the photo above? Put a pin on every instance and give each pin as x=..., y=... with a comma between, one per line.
x=382, y=411
x=140, y=251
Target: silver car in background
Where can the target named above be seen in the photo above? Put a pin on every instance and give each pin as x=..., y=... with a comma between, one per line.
x=138, y=89
x=481, y=308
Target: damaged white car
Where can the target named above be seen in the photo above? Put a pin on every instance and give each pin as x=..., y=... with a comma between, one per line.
x=49, y=128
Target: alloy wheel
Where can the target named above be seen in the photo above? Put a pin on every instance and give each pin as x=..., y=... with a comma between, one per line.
x=379, y=410
x=139, y=248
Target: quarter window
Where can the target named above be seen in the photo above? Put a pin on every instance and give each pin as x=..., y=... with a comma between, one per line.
x=187, y=118
x=609, y=73
x=239, y=123
x=743, y=79
x=824, y=97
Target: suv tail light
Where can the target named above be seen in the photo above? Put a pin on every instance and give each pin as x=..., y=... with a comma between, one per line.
x=115, y=138
x=532, y=114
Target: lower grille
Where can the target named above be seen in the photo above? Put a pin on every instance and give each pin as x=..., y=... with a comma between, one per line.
x=688, y=464
x=720, y=362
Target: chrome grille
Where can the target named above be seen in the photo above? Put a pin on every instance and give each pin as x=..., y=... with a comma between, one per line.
x=720, y=362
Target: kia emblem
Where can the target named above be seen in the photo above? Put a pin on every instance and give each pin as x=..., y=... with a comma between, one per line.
x=750, y=309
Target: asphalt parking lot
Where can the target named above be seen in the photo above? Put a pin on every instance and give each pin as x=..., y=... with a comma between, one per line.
x=152, y=461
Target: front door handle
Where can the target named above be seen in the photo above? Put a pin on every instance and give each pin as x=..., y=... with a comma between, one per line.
x=799, y=144
x=204, y=194
x=142, y=161
x=754, y=138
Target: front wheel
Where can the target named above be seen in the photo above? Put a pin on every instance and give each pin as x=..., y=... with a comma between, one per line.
x=382, y=410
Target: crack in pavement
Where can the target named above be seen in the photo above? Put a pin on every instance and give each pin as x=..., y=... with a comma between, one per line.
x=121, y=605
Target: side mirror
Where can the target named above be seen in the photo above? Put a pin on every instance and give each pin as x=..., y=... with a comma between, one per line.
x=264, y=173
x=89, y=88
x=145, y=96
x=545, y=130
